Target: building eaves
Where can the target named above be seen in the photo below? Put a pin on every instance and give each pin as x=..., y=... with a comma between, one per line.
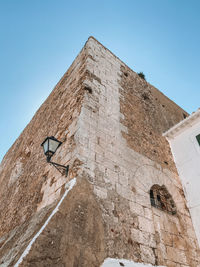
x=183, y=125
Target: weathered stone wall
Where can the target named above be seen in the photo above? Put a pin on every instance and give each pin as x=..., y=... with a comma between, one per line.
x=111, y=123
x=124, y=155
x=29, y=187
x=147, y=114
x=74, y=237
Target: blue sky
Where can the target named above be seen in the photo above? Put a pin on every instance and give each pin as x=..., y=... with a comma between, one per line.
x=39, y=40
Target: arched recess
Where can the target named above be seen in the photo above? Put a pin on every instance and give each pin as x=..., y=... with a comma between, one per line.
x=161, y=199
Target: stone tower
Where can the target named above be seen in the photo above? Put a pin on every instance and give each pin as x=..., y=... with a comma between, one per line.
x=122, y=198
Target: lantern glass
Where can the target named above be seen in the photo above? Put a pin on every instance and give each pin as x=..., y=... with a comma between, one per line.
x=45, y=146
x=50, y=146
x=53, y=145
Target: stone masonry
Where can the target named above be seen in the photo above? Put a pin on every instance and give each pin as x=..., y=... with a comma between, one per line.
x=111, y=123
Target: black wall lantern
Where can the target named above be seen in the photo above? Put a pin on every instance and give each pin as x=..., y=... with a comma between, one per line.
x=50, y=145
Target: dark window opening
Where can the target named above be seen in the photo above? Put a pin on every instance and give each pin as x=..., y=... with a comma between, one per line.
x=198, y=138
x=152, y=198
x=161, y=199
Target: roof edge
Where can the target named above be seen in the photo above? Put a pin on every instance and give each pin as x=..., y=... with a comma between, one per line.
x=182, y=125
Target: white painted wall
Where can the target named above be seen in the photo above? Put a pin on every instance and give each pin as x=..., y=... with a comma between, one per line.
x=109, y=262
x=186, y=152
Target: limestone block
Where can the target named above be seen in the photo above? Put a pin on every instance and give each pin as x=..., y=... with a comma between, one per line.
x=147, y=254
x=100, y=192
x=112, y=176
x=190, y=232
x=148, y=213
x=167, y=238
x=146, y=225
x=136, y=208
x=192, y=242
x=112, y=156
x=123, y=178
x=179, y=255
x=162, y=253
x=194, y=254
x=171, y=227
x=124, y=192
x=173, y=264
x=143, y=199
x=108, y=163
x=144, y=238
x=180, y=242
x=138, y=184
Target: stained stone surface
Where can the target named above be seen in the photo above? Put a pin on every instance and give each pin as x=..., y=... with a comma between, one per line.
x=111, y=123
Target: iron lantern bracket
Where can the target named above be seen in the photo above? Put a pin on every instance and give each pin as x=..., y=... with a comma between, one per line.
x=62, y=169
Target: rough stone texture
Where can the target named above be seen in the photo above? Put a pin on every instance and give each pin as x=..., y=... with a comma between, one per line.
x=74, y=236
x=23, y=171
x=111, y=123
x=121, y=119
x=14, y=243
x=151, y=114
x=29, y=185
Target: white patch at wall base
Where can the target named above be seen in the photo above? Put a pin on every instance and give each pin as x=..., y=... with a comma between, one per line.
x=68, y=187
x=109, y=262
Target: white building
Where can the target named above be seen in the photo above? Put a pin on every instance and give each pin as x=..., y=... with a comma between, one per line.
x=184, y=139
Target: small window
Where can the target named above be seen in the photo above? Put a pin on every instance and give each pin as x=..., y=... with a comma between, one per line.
x=198, y=138
x=158, y=198
x=152, y=198
x=161, y=199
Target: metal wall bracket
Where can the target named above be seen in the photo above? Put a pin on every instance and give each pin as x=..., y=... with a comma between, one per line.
x=62, y=169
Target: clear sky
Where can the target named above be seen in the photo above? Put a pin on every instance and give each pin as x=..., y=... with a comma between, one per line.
x=39, y=40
